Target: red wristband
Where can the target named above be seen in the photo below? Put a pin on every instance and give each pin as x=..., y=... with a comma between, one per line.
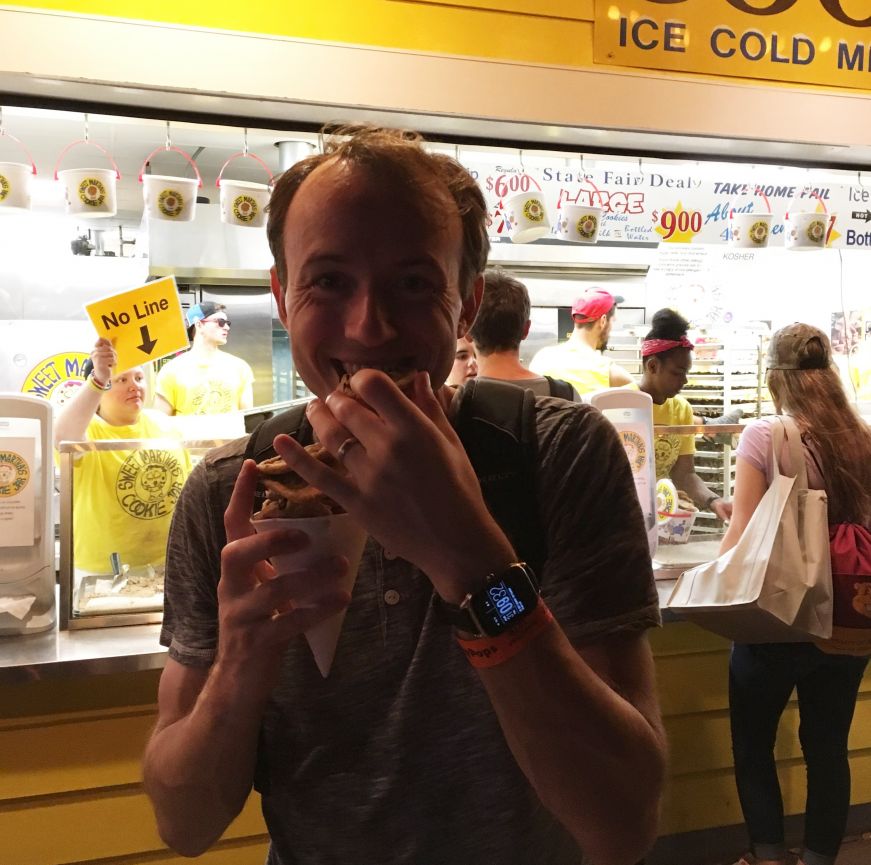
x=100, y=384
x=484, y=652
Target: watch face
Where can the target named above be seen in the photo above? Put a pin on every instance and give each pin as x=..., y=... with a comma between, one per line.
x=504, y=601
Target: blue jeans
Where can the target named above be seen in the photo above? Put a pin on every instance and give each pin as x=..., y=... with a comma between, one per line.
x=761, y=679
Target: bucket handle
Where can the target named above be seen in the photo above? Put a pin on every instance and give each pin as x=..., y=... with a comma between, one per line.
x=177, y=150
x=242, y=154
x=596, y=191
x=813, y=194
x=756, y=192
x=92, y=144
x=5, y=134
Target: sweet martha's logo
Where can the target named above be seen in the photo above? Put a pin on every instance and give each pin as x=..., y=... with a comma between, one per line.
x=56, y=378
x=149, y=483
x=14, y=474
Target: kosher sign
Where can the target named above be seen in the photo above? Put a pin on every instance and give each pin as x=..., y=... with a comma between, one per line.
x=143, y=324
x=803, y=41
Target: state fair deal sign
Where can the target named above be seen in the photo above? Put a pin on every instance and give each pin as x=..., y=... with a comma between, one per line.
x=802, y=41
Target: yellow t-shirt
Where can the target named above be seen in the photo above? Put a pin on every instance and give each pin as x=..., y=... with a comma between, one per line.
x=123, y=500
x=860, y=372
x=675, y=411
x=588, y=370
x=195, y=385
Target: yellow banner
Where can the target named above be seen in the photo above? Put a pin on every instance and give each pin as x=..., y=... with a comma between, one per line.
x=143, y=324
x=801, y=41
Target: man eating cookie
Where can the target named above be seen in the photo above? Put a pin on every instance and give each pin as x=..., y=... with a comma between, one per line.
x=482, y=706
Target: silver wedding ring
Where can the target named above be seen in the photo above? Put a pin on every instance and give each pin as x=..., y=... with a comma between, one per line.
x=345, y=446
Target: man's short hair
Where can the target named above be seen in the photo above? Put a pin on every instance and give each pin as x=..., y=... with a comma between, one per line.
x=398, y=155
x=503, y=313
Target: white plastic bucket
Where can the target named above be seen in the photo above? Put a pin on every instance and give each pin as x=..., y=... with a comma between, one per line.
x=579, y=223
x=89, y=192
x=244, y=203
x=526, y=215
x=807, y=230
x=170, y=198
x=167, y=197
x=15, y=186
x=750, y=230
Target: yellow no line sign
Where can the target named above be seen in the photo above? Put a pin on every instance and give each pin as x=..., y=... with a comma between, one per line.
x=143, y=324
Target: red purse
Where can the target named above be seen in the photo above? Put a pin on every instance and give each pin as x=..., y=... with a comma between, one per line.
x=850, y=546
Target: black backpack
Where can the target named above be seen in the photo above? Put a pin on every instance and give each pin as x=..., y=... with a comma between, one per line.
x=560, y=388
x=496, y=424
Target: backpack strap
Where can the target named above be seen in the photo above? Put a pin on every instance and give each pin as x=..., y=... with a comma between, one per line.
x=496, y=423
x=560, y=388
x=292, y=422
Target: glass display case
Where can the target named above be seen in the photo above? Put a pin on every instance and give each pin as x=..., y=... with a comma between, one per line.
x=116, y=501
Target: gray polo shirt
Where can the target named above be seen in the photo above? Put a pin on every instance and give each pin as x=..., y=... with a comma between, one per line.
x=397, y=757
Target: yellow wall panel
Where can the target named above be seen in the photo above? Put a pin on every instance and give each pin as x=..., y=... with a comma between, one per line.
x=685, y=638
x=81, y=829
x=444, y=29
x=249, y=852
x=88, y=754
x=53, y=697
x=699, y=801
x=693, y=683
x=579, y=10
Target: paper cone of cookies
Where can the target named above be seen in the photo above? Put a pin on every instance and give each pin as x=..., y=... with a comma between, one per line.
x=335, y=535
x=292, y=503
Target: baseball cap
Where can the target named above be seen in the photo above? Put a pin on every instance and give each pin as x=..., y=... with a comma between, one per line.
x=200, y=311
x=594, y=303
x=788, y=348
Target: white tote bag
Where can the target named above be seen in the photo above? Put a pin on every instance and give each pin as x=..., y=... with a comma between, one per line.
x=775, y=584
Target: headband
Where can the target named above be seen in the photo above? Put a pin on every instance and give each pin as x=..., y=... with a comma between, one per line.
x=658, y=346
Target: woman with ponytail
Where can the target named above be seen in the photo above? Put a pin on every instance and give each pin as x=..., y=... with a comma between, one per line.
x=837, y=449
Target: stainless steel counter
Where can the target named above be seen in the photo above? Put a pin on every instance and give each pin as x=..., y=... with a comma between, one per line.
x=133, y=648
x=72, y=654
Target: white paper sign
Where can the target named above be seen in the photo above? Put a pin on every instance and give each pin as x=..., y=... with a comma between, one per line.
x=17, y=491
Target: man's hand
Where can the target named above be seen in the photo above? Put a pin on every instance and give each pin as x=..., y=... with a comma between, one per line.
x=410, y=482
x=259, y=610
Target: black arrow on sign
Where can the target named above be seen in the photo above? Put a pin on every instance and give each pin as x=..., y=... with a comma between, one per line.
x=862, y=214
x=147, y=342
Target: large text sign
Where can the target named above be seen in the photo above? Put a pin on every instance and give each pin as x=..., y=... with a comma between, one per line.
x=804, y=41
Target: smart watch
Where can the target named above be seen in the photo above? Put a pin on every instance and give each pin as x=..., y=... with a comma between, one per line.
x=506, y=597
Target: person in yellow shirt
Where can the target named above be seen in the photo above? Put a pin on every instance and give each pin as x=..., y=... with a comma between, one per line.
x=666, y=358
x=860, y=370
x=122, y=500
x=205, y=380
x=579, y=360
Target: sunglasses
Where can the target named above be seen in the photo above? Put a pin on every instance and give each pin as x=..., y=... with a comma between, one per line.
x=221, y=322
